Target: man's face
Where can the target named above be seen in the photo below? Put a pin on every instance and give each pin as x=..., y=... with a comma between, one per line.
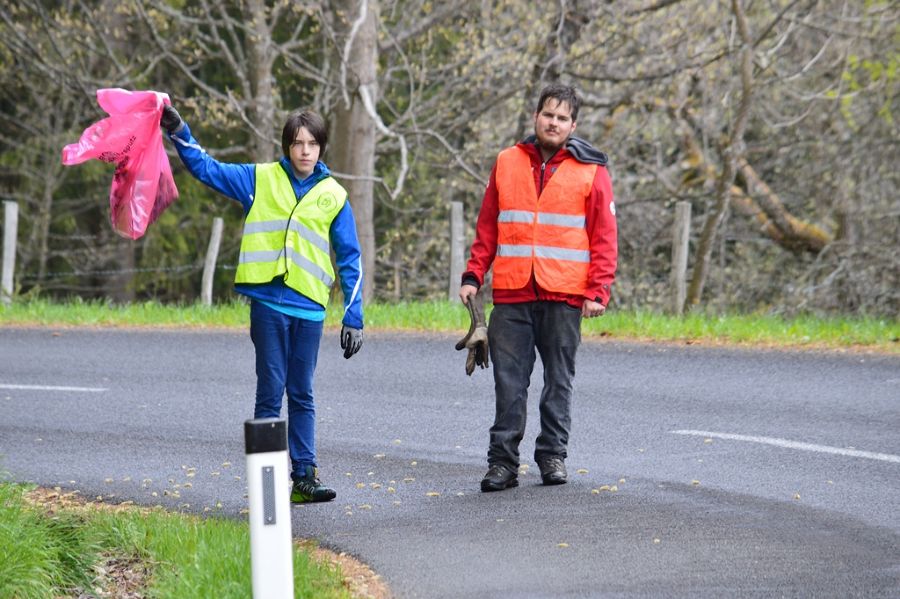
x=304, y=153
x=553, y=123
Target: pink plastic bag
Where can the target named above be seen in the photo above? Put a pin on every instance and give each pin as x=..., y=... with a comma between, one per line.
x=130, y=138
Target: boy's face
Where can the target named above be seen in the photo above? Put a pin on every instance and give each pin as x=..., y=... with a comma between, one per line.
x=553, y=123
x=304, y=153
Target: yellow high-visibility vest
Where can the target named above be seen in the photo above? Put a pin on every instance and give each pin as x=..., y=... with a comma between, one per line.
x=284, y=237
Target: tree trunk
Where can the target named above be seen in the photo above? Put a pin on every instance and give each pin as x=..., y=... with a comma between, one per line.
x=732, y=149
x=120, y=286
x=42, y=221
x=352, y=145
x=262, y=108
x=794, y=233
x=755, y=199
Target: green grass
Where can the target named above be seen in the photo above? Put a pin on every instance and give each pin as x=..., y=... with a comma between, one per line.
x=766, y=330
x=41, y=556
x=877, y=334
x=59, y=554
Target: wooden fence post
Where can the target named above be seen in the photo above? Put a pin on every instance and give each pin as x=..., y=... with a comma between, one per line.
x=10, y=232
x=209, y=265
x=457, y=249
x=681, y=235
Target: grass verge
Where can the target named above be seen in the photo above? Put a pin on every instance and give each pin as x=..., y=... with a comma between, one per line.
x=75, y=549
x=876, y=334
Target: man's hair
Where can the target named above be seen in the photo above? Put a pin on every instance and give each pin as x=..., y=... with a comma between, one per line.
x=560, y=93
x=313, y=122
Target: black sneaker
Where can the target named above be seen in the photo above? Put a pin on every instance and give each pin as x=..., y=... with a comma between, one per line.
x=553, y=471
x=498, y=478
x=309, y=489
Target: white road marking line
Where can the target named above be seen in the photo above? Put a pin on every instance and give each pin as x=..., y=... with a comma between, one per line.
x=49, y=388
x=856, y=453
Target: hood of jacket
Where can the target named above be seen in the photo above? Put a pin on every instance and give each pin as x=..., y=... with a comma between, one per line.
x=580, y=149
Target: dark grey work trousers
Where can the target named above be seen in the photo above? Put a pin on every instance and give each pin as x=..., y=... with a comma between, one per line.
x=515, y=331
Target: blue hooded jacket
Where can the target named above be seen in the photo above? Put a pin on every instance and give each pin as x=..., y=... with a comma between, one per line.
x=238, y=182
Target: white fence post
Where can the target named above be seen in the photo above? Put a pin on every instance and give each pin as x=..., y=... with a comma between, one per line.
x=457, y=249
x=681, y=235
x=10, y=232
x=209, y=265
x=271, y=551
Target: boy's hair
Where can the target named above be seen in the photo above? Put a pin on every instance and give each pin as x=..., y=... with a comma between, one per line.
x=560, y=93
x=313, y=122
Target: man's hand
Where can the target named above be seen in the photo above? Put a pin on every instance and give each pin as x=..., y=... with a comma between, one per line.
x=467, y=292
x=590, y=309
x=351, y=340
x=170, y=120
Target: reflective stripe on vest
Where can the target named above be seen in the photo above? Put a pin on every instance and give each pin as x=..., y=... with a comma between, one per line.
x=545, y=235
x=284, y=237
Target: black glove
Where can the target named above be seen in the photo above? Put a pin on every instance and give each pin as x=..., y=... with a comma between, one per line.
x=170, y=120
x=476, y=340
x=351, y=340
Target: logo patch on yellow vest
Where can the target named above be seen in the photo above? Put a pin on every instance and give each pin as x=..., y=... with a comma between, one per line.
x=326, y=202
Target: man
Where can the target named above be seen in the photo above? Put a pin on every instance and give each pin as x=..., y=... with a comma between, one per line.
x=296, y=213
x=547, y=224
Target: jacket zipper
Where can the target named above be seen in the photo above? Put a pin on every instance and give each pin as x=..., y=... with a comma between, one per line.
x=540, y=191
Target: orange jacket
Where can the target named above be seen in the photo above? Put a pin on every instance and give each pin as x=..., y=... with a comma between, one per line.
x=600, y=228
x=545, y=235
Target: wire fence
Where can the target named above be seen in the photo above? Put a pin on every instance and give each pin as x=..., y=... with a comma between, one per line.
x=31, y=277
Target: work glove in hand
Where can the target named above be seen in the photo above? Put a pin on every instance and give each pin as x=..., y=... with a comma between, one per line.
x=476, y=340
x=170, y=120
x=351, y=340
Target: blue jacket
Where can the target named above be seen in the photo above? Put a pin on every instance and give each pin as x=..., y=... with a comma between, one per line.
x=238, y=181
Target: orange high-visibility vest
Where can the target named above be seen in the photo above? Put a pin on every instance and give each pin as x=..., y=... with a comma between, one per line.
x=543, y=234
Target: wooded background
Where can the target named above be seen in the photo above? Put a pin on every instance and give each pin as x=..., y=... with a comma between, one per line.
x=775, y=119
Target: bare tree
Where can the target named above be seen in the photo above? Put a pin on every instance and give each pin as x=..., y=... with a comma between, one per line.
x=789, y=166
x=58, y=57
x=731, y=151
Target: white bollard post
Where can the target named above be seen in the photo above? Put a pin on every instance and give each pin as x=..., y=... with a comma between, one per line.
x=271, y=551
x=10, y=232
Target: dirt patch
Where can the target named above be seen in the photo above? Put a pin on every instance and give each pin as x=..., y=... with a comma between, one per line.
x=116, y=577
x=359, y=578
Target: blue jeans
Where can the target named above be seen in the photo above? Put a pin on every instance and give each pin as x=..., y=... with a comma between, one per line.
x=515, y=331
x=286, y=352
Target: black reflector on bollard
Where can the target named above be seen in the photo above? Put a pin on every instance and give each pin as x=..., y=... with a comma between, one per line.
x=268, y=480
x=264, y=435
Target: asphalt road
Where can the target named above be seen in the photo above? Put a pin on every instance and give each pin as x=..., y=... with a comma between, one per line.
x=694, y=472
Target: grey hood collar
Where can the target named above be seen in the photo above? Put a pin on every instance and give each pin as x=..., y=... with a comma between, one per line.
x=582, y=150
